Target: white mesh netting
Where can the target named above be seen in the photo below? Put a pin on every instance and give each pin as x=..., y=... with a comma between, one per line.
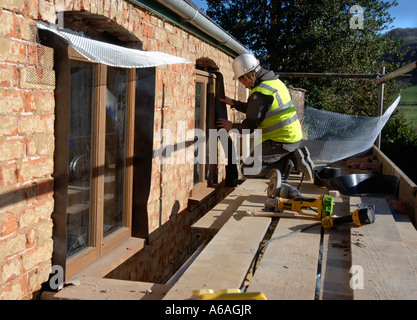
x=112, y=55
x=332, y=136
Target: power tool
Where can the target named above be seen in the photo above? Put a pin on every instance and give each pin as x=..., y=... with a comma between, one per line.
x=361, y=216
x=282, y=196
x=319, y=208
x=295, y=201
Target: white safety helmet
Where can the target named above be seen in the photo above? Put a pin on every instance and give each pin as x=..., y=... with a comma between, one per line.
x=244, y=64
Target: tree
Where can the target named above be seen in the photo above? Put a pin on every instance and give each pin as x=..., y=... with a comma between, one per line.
x=318, y=36
x=409, y=35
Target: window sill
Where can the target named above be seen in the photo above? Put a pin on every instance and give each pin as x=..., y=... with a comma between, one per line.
x=110, y=261
x=199, y=196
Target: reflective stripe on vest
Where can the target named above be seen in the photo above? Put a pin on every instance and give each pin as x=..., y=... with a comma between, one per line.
x=282, y=106
x=281, y=123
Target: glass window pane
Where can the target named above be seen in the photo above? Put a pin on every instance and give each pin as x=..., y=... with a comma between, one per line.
x=79, y=161
x=209, y=124
x=199, y=108
x=115, y=152
x=203, y=102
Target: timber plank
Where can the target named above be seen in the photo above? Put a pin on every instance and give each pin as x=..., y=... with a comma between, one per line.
x=92, y=288
x=336, y=260
x=408, y=235
x=378, y=249
x=253, y=203
x=288, y=267
x=225, y=261
x=213, y=220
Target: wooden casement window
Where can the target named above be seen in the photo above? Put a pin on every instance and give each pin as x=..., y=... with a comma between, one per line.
x=204, y=120
x=100, y=142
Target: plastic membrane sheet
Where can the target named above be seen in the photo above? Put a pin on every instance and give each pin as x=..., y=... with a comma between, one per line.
x=109, y=54
x=332, y=136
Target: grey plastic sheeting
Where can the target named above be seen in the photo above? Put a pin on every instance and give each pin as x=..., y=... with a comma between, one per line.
x=332, y=136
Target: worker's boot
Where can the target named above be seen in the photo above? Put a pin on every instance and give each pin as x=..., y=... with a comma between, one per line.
x=303, y=163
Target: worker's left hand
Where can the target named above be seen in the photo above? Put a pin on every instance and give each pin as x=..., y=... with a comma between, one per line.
x=223, y=123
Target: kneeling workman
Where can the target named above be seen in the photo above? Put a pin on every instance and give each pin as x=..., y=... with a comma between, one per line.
x=269, y=108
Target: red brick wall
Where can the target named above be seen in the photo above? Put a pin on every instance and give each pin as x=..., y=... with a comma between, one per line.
x=169, y=247
x=26, y=153
x=27, y=83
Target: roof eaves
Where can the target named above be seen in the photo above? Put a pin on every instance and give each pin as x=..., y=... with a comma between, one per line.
x=200, y=27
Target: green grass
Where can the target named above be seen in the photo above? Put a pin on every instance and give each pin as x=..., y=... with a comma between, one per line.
x=410, y=95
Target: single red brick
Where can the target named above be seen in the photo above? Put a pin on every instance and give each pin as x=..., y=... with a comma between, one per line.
x=8, y=224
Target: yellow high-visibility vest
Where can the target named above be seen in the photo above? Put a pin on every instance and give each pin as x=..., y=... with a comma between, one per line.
x=281, y=123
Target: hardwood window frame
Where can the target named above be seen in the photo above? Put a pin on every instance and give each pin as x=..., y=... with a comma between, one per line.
x=101, y=245
x=208, y=79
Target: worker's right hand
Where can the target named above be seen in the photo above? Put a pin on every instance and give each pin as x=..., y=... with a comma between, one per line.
x=228, y=101
x=225, y=124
